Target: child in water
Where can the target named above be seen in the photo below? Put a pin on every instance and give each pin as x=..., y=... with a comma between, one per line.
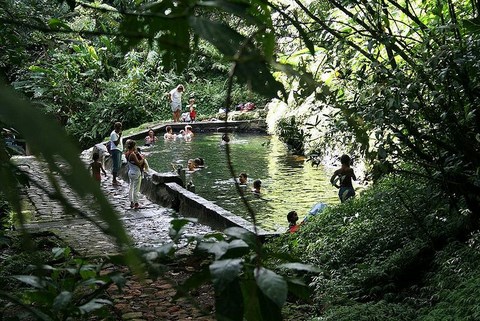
x=342, y=179
x=257, y=184
x=225, y=139
x=96, y=167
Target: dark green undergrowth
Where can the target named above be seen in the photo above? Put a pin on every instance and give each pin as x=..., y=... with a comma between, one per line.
x=21, y=255
x=393, y=253
x=43, y=279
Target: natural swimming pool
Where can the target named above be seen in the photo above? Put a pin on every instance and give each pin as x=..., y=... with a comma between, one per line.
x=288, y=181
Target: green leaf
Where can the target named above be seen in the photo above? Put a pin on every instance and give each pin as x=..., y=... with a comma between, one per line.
x=61, y=157
x=236, y=248
x=224, y=272
x=272, y=285
x=194, y=281
x=252, y=303
x=32, y=280
x=229, y=302
x=258, y=306
x=60, y=251
x=299, y=288
x=224, y=38
x=255, y=73
x=93, y=305
x=35, y=312
x=236, y=8
x=242, y=234
x=179, y=223
x=62, y=300
x=216, y=248
x=177, y=226
x=472, y=25
x=58, y=24
x=250, y=66
x=118, y=279
x=301, y=267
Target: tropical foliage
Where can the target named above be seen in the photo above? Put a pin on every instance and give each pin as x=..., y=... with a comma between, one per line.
x=396, y=81
x=402, y=79
x=389, y=255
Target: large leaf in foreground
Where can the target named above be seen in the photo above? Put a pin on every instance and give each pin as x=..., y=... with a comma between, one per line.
x=50, y=142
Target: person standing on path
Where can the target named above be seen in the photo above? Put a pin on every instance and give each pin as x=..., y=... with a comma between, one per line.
x=175, y=97
x=116, y=149
x=135, y=164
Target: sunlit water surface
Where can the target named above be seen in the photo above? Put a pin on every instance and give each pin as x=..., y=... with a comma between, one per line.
x=289, y=182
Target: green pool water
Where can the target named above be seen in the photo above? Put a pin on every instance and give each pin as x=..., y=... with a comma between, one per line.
x=288, y=181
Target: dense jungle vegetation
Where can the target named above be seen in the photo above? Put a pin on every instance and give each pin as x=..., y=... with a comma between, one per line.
x=395, y=83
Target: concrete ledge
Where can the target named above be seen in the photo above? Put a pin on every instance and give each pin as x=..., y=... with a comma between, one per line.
x=167, y=190
x=244, y=126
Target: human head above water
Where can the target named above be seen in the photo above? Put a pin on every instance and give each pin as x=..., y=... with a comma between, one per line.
x=199, y=161
x=191, y=164
x=225, y=138
x=168, y=129
x=345, y=160
x=243, y=178
x=257, y=184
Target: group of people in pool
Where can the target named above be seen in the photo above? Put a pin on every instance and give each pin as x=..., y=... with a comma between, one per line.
x=341, y=179
x=186, y=133
x=243, y=182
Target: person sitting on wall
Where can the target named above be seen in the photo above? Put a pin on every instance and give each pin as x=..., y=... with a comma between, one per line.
x=316, y=209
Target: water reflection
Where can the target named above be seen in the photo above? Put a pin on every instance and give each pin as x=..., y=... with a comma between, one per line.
x=288, y=181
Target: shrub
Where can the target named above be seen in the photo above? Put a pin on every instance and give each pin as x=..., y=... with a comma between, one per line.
x=381, y=252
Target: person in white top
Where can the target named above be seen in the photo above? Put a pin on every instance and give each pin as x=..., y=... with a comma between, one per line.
x=135, y=163
x=175, y=96
x=116, y=150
